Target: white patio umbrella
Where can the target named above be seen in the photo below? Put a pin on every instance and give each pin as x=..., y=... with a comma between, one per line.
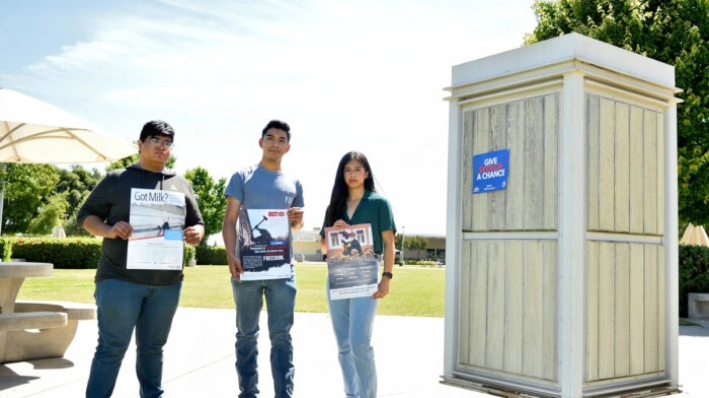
x=33, y=131
x=695, y=235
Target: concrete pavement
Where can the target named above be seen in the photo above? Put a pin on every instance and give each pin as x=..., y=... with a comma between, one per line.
x=199, y=360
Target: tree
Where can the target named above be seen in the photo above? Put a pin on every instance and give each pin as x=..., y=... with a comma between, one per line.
x=50, y=215
x=76, y=184
x=417, y=243
x=397, y=241
x=675, y=32
x=210, y=199
x=27, y=187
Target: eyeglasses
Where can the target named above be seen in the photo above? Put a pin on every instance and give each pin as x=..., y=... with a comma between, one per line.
x=165, y=144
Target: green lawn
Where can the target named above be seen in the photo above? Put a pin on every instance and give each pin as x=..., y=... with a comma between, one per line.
x=414, y=291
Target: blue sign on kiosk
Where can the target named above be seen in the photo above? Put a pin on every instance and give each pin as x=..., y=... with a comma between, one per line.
x=490, y=171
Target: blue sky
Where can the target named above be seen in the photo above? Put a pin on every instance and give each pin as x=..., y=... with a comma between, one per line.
x=360, y=75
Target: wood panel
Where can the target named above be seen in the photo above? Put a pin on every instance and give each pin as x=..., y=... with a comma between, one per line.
x=624, y=310
x=652, y=318
x=481, y=143
x=660, y=160
x=625, y=167
x=551, y=160
x=514, y=219
x=550, y=309
x=635, y=165
x=606, y=307
x=650, y=171
x=533, y=312
x=466, y=299
x=637, y=312
x=478, y=338
x=661, y=308
x=592, y=301
x=533, y=163
x=498, y=139
x=467, y=172
x=529, y=128
x=606, y=155
x=496, y=307
x=514, y=307
x=510, y=323
x=622, y=167
x=593, y=129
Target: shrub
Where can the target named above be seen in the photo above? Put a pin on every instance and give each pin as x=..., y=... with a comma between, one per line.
x=188, y=254
x=5, y=249
x=693, y=275
x=211, y=255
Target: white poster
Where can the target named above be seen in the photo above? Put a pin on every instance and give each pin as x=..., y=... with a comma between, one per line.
x=157, y=218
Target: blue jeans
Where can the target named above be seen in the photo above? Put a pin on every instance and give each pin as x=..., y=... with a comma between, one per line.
x=353, y=321
x=280, y=305
x=121, y=307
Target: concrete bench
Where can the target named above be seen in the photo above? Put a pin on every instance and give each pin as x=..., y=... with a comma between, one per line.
x=698, y=305
x=74, y=311
x=23, y=345
x=32, y=320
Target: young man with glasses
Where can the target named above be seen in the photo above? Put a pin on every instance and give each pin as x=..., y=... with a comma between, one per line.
x=129, y=295
x=264, y=188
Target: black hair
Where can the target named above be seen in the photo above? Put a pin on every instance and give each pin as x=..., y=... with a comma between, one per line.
x=156, y=128
x=277, y=124
x=340, y=191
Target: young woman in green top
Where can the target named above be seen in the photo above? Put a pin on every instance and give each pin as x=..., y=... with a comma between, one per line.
x=354, y=201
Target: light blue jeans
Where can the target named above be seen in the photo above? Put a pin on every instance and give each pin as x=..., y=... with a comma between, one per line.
x=353, y=322
x=280, y=305
x=121, y=307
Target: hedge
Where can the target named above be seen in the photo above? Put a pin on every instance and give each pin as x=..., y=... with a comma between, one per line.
x=211, y=255
x=693, y=273
x=64, y=253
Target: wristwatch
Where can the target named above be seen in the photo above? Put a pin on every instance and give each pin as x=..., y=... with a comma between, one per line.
x=388, y=275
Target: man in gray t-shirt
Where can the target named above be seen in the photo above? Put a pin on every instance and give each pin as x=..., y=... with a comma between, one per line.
x=263, y=187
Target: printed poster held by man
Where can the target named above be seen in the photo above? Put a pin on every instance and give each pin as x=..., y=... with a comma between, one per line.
x=263, y=241
x=158, y=218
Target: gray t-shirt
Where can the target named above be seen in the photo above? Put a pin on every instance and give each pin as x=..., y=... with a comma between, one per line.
x=258, y=188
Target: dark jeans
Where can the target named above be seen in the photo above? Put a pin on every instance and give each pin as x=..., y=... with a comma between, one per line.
x=280, y=303
x=123, y=306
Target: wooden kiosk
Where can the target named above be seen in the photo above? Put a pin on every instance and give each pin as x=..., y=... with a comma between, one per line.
x=562, y=280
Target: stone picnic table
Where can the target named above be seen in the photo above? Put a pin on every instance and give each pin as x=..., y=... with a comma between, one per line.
x=32, y=329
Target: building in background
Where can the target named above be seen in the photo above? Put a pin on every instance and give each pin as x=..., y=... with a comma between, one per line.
x=306, y=246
